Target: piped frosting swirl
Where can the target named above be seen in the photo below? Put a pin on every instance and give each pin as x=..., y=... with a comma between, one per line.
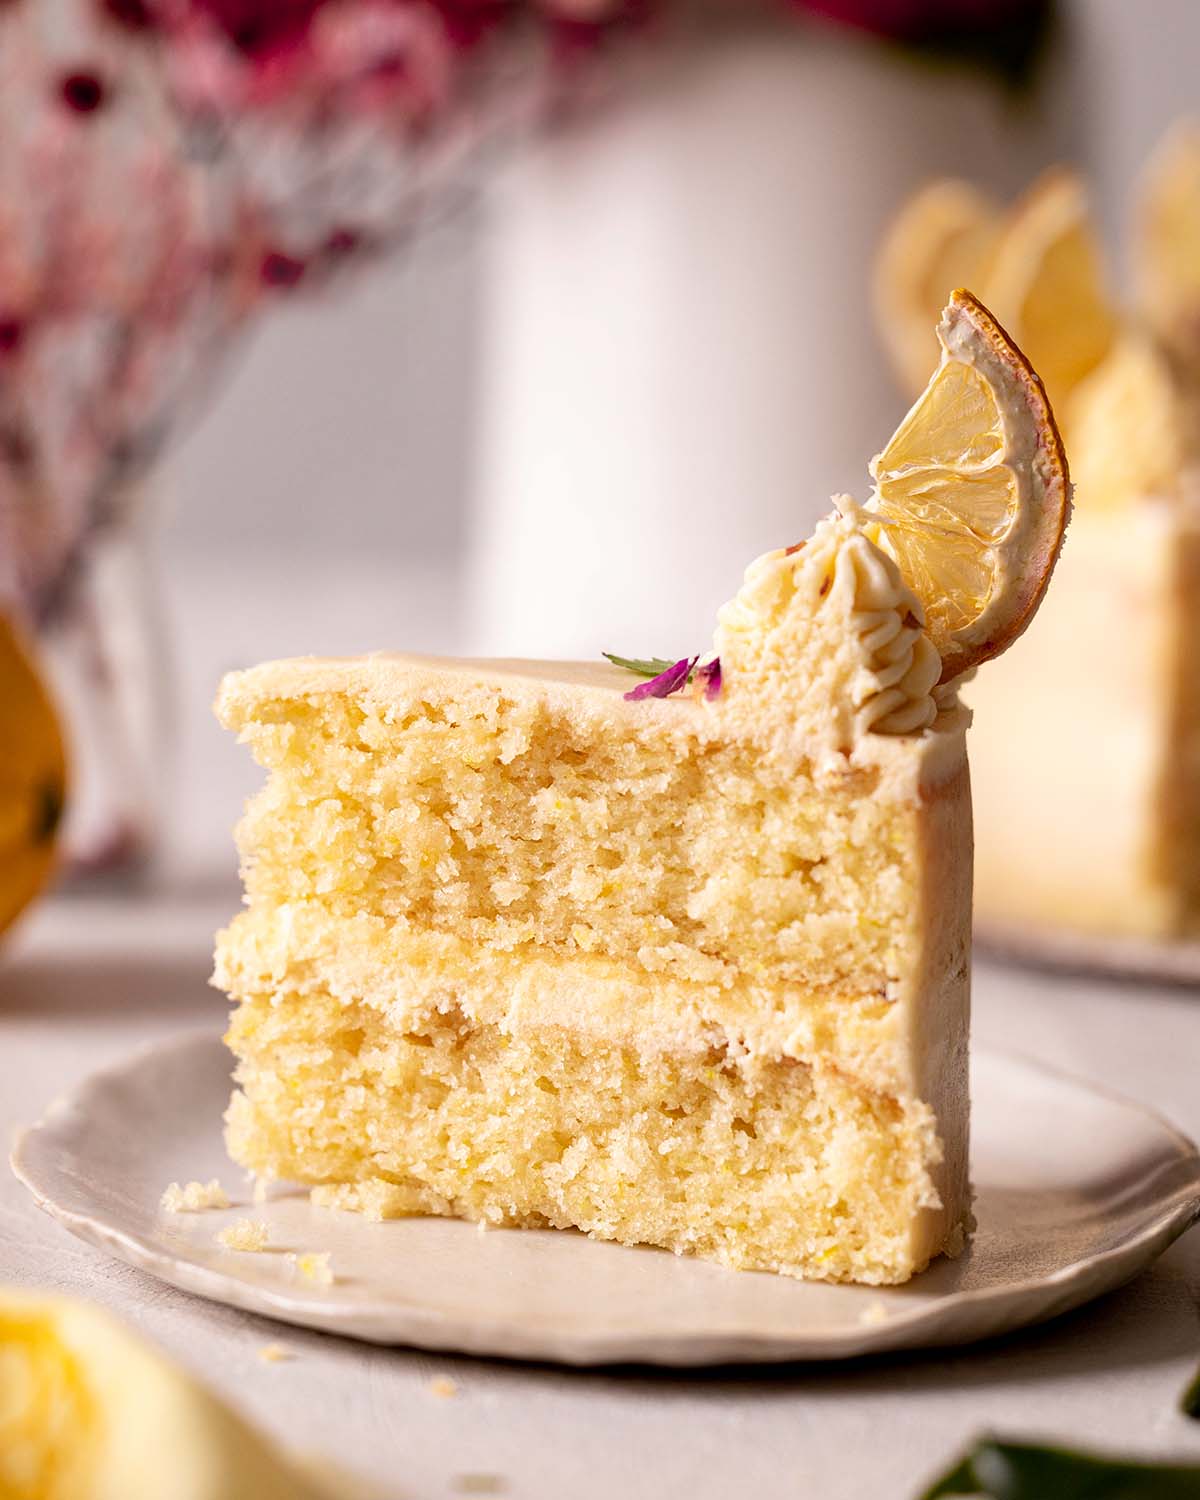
x=832, y=629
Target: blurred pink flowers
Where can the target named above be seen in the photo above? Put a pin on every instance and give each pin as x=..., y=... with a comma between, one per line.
x=177, y=167
x=258, y=27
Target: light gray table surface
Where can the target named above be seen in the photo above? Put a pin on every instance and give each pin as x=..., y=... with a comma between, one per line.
x=86, y=981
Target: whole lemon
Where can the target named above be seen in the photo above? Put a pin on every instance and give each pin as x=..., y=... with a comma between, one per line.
x=32, y=777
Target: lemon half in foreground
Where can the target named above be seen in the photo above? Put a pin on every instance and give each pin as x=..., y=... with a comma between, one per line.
x=972, y=493
x=90, y=1412
x=32, y=777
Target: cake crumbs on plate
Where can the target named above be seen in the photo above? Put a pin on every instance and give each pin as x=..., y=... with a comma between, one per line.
x=274, y=1354
x=244, y=1234
x=479, y=1484
x=874, y=1313
x=443, y=1387
x=193, y=1197
x=313, y=1265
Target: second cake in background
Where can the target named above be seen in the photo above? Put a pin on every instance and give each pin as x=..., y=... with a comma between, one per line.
x=1085, y=747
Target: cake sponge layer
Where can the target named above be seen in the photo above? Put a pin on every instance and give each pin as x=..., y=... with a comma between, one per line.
x=768, y=1165
x=509, y=817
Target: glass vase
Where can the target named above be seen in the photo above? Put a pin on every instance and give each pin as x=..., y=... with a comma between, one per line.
x=105, y=650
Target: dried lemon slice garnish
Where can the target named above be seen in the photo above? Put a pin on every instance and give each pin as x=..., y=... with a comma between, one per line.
x=1168, y=242
x=1045, y=281
x=972, y=493
x=942, y=238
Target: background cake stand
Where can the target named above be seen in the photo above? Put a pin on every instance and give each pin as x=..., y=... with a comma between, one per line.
x=1087, y=953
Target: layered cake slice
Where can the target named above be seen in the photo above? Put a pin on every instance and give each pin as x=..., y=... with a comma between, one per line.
x=681, y=962
x=1086, y=739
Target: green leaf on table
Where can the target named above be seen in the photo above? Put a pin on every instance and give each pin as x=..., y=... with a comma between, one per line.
x=960, y=1480
x=1001, y=1470
x=1189, y=1402
x=650, y=666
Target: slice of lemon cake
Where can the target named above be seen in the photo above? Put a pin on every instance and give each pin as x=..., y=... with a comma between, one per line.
x=678, y=964
x=1086, y=741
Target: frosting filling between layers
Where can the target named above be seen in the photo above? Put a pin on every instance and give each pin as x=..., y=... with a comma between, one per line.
x=407, y=976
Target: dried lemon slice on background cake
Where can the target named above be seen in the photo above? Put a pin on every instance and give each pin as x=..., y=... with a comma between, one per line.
x=1167, y=259
x=1126, y=390
x=1046, y=283
x=1038, y=267
x=972, y=492
x=942, y=238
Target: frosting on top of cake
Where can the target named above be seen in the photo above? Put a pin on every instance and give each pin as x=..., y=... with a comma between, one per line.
x=830, y=633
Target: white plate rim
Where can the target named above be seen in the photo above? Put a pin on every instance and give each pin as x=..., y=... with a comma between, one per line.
x=1057, y=1292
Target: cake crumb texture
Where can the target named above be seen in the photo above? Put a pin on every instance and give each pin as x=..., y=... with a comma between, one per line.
x=250, y=1235
x=313, y=1266
x=193, y=1197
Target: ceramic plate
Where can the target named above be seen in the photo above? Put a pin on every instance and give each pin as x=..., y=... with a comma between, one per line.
x=1080, y=952
x=1078, y=1189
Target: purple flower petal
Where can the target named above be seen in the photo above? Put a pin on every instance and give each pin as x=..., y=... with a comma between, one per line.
x=710, y=675
x=665, y=683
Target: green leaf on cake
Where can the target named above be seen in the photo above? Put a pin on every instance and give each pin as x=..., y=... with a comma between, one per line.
x=1003, y=1470
x=651, y=666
